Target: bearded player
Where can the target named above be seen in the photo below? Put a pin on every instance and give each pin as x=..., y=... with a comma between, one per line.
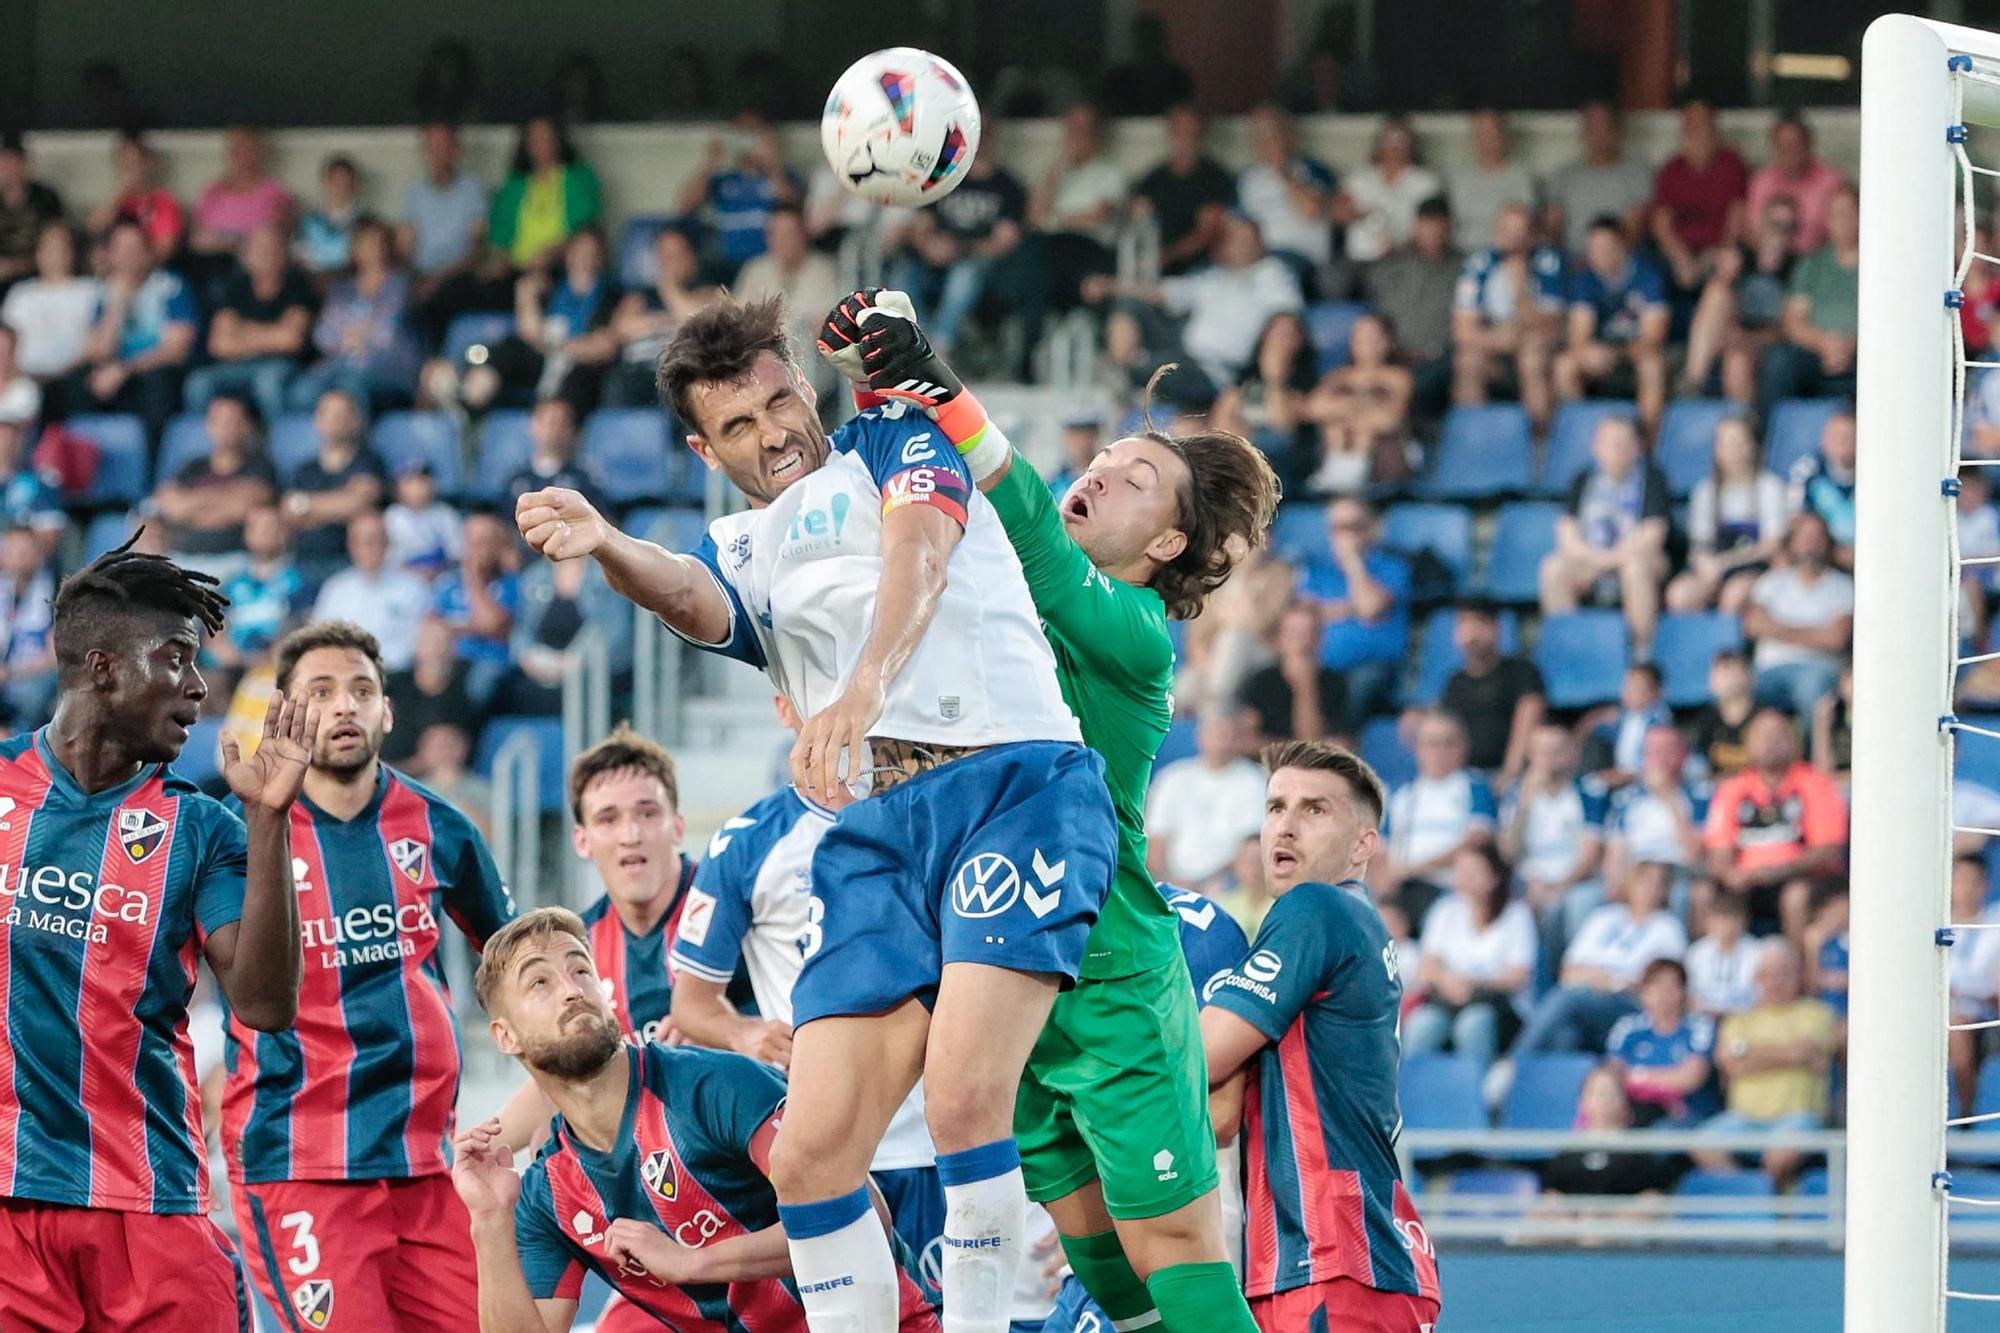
x=951, y=905
x=1113, y=1116
x=116, y=875
x=336, y=1128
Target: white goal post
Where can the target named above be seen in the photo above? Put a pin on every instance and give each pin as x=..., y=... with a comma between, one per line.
x=1905, y=660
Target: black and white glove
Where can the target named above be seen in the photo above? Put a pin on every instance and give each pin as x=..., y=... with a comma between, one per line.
x=876, y=331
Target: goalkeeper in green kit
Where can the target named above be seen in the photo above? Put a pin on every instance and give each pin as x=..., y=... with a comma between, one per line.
x=1112, y=1117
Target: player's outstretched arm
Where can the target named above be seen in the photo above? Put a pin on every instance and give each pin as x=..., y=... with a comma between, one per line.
x=483, y=1174
x=562, y=525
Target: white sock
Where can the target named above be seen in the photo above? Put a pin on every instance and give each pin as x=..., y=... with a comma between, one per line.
x=843, y=1265
x=985, y=1235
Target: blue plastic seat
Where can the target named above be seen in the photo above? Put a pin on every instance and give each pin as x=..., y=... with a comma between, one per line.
x=1726, y=1185
x=1583, y=655
x=678, y=529
x=1570, y=436
x=481, y=328
x=1523, y=535
x=200, y=760
x=183, y=441
x=1483, y=453
x=1794, y=430
x=1385, y=752
x=1545, y=1089
x=1977, y=759
x=504, y=449
x=1440, y=1091
x=428, y=436
x=1442, y=529
x=1177, y=744
x=638, y=267
x=1330, y=325
x=1986, y=1097
x=1299, y=533
x=1683, y=649
x=292, y=443
x=1438, y=655
x=1496, y=1182
x=1974, y=1183
x=106, y=532
x=122, y=457
x=548, y=734
x=629, y=452
x=1686, y=448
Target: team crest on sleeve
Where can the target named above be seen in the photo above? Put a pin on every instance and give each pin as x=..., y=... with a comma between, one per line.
x=696, y=918
x=314, y=1301
x=140, y=833
x=658, y=1173
x=411, y=856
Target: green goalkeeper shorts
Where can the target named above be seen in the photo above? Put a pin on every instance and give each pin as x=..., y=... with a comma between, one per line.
x=1116, y=1090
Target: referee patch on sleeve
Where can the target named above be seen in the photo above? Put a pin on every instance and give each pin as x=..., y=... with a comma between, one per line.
x=938, y=487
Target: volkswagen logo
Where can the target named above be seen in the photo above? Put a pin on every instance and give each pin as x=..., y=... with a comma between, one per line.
x=986, y=885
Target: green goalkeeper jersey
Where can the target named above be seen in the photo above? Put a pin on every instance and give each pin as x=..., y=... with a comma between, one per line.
x=1116, y=665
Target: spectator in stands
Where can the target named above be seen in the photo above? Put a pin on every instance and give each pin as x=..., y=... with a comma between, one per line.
x=1444, y=810
x=441, y=233
x=1602, y=967
x=1665, y=1052
x=1288, y=194
x=557, y=601
x=27, y=617
x=1378, y=204
x=1823, y=482
x=1614, y=748
x=242, y=199
x=1364, y=597
x=1742, y=307
x=1612, y=541
x=1601, y=184
x=1494, y=182
x=1082, y=440
x=1801, y=614
x=1978, y=526
x=1478, y=968
x=1822, y=314
x=478, y=601
x=550, y=193
x=803, y=276
x=1201, y=808
x=1209, y=321
x=141, y=337
x=1656, y=819
x=965, y=246
x=1717, y=731
x=1498, y=697
x=1697, y=205
x=1413, y=288
x=1243, y=894
x=1776, y=828
x=1826, y=954
x=142, y=198
x=1296, y=698
x=1150, y=82
x=1774, y=1060
x=1552, y=830
x=1973, y=967
x=1736, y=523
x=1797, y=176
x=552, y=428
x=53, y=311
x=27, y=498
x=426, y=535
x=343, y=479
x=205, y=503
x=1833, y=729
x=1362, y=411
x=385, y=599
x=1722, y=964
x=1507, y=312
x=363, y=335
x=1233, y=636
x=20, y=396
x=265, y=595
x=736, y=199
x=1077, y=206
x=646, y=317
x=431, y=692
x=257, y=338
x=1617, y=329
x=562, y=343
x=1185, y=196
x=1267, y=404
x=1603, y=1107
x=440, y=762
x=26, y=206
x=324, y=232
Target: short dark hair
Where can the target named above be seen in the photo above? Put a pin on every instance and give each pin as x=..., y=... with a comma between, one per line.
x=340, y=161
x=1731, y=655
x=1608, y=222
x=1437, y=206
x=1324, y=757
x=623, y=749
x=327, y=634
x=1479, y=606
x=95, y=606
x=717, y=345
x=1649, y=671
x=1661, y=966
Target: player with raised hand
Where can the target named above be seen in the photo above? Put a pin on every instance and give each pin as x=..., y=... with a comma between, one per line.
x=1113, y=1119
x=1312, y=1017
x=116, y=875
x=950, y=906
x=657, y=1174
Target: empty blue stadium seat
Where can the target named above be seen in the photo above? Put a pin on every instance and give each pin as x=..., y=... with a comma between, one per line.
x=1443, y=530
x=1569, y=440
x=638, y=267
x=504, y=449
x=1177, y=744
x=1330, y=325
x=1986, y=1097
x=1522, y=535
x=682, y=529
x=1686, y=445
x=1977, y=759
x=1972, y=1182
x=1545, y=1090
x=1794, y=430
x=106, y=532
x=1497, y=1182
x=629, y=451
x=1483, y=453
x=1727, y=1185
x=1684, y=647
x=292, y=443
x=1299, y=533
x=200, y=760
x=1438, y=656
x=1582, y=656
x=429, y=436
x=122, y=456
x=1813, y=1183
x=548, y=733
x=184, y=440
x=481, y=328
x=1385, y=752
x=1438, y=1091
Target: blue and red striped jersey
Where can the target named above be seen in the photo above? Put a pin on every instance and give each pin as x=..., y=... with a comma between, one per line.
x=682, y=1163
x=1324, y=1198
x=634, y=968
x=364, y=1085
x=105, y=902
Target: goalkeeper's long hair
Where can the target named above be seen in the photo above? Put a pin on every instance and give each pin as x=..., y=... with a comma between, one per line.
x=1225, y=509
x=96, y=606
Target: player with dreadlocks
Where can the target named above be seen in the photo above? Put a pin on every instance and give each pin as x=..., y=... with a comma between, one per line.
x=115, y=874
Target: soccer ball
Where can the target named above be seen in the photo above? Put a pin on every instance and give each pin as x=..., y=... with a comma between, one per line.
x=900, y=128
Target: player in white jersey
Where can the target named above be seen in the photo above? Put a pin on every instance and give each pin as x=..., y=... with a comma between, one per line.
x=881, y=595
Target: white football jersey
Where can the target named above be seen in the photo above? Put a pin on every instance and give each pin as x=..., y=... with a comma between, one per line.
x=801, y=577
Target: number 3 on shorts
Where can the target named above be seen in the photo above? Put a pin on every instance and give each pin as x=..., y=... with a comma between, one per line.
x=815, y=932
x=304, y=1243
